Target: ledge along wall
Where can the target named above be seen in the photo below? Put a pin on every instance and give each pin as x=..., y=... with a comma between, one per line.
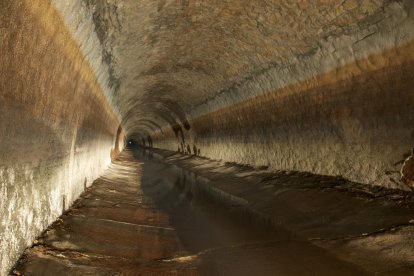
x=57, y=127
x=345, y=108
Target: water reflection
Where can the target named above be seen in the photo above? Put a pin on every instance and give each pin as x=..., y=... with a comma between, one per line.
x=227, y=238
x=201, y=219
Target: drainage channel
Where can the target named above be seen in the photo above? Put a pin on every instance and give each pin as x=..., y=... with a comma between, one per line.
x=223, y=235
x=146, y=217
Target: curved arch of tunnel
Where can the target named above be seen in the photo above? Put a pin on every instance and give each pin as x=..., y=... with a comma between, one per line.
x=323, y=88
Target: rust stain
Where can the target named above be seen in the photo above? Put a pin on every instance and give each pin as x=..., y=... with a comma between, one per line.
x=35, y=37
x=364, y=76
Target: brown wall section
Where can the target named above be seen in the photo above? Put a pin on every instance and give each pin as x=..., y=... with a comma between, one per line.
x=252, y=84
x=39, y=53
x=56, y=126
x=356, y=121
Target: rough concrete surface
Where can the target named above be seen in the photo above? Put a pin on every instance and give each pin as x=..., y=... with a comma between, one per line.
x=146, y=217
x=167, y=214
x=287, y=84
x=57, y=128
x=370, y=227
x=311, y=86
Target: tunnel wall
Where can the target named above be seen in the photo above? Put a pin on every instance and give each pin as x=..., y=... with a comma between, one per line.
x=57, y=127
x=345, y=108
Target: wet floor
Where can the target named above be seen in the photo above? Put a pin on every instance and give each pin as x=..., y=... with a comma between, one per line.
x=146, y=217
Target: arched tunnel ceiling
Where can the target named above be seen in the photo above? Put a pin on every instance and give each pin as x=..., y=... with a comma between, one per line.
x=312, y=86
x=169, y=57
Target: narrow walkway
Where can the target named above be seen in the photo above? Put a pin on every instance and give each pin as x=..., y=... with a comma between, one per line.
x=148, y=217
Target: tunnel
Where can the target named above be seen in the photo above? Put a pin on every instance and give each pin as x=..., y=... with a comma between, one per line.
x=219, y=137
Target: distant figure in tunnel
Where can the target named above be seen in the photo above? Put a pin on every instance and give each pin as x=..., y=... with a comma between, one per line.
x=407, y=170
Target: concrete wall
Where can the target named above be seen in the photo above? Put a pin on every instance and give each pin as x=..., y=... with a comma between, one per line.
x=319, y=86
x=57, y=128
x=344, y=108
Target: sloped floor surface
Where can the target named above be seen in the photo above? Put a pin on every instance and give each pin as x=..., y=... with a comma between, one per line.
x=148, y=216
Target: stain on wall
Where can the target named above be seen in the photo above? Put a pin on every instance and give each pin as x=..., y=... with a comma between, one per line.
x=319, y=86
x=355, y=121
x=56, y=125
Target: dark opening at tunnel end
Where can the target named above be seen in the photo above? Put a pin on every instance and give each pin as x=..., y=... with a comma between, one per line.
x=229, y=137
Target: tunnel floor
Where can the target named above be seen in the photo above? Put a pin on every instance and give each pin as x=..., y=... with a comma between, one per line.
x=145, y=216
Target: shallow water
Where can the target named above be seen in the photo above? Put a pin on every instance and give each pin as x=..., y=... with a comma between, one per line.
x=229, y=238
x=146, y=217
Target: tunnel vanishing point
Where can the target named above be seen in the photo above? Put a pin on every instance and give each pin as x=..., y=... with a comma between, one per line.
x=215, y=137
